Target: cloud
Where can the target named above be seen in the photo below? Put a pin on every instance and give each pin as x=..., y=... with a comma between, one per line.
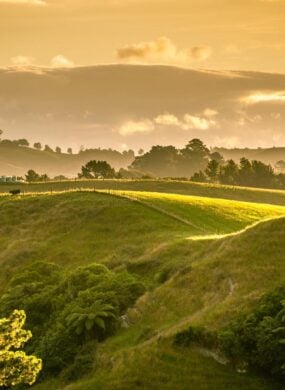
x=167, y=120
x=147, y=104
x=201, y=53
x=24, y=2
x=188, y=122
x=262, y=97
x=162, y=50
x=209, y=112
x=132, y=127
x=197, y=122
x=61, y=61
x=22, y=60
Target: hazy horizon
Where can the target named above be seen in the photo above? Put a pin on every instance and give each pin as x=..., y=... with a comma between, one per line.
x=135, y=73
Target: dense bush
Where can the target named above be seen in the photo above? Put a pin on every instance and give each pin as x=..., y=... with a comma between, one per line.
x=67, y=311
x=196, y=335
x=258, y=338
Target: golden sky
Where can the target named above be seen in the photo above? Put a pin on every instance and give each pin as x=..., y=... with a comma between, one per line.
x=216, y=34
x=53, y=89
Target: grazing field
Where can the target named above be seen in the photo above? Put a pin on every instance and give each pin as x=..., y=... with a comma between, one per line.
x=203, y=260
x=166, y=186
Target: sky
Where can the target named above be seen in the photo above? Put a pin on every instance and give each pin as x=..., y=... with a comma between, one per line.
x=56, y=38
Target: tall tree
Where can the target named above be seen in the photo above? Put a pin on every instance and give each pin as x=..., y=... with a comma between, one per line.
x=212, y=171
x=245, y=172
x=229, y=173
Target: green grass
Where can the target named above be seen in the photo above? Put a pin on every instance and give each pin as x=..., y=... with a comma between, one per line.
x=165, y=186
x=158, y=237
x=207, y=215
x=160, y=366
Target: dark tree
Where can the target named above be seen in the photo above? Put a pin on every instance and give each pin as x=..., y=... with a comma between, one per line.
x=160, y=160
x=229, y=173
x=213, y=170
x=97, y=169
x=217, y=157
x=199, y=177
x=23, y=142
x=37, y=145
x=69, y=151
x=32, y=176
x=245, y=172
x=58, y=149
x=48, y=148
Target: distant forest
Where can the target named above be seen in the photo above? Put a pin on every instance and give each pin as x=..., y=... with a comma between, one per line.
x=194, y=161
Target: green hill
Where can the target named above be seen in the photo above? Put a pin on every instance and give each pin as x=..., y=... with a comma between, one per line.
x=227, y=277
x=245, y=194
x=170, y=242
x=16, y=160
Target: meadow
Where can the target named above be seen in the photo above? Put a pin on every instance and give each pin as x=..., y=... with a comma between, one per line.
x=204, y=253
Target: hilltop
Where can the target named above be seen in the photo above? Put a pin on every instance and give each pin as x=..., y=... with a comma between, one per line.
x=16, y=160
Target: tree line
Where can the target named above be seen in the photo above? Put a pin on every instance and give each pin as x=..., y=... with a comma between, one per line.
x=194, y=162
x=246, y=173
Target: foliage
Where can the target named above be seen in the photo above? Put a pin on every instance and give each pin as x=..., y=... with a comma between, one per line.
x=32, y=176
x=257, y=339
x=167, y=161
x=67, y=310
x=37, y=145
x=97, y=169
x=15, y=366
x=196, y=335
x=247, y=173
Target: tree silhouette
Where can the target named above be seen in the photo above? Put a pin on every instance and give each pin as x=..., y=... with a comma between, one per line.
x=37, y=145
x=97, y=169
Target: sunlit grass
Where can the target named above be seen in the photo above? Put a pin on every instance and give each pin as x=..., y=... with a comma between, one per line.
x=189, y=250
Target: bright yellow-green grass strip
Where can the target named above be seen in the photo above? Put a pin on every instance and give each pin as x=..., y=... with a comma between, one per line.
x=165, y=186
x=209, y=215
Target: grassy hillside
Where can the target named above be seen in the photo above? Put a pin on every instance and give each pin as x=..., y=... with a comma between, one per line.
x=166, y=241
x=166, y=186
x=17, y=160
x=226, y=277
x=112, y=229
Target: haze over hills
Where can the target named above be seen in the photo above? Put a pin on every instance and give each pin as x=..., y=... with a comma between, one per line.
x=133, y=106
x=16, y=160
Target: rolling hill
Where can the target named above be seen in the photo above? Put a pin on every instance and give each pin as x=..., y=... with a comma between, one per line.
x=203, y=259
x=165, y=186
x=17, y=160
